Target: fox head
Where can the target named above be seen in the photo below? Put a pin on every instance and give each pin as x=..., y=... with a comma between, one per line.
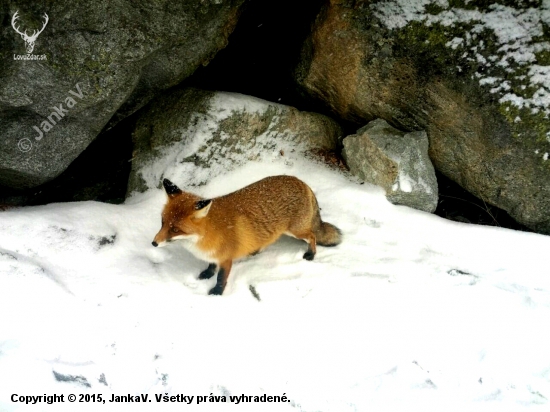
x=182, y=217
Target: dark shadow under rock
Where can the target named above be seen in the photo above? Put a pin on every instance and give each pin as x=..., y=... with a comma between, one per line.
x=99, y=173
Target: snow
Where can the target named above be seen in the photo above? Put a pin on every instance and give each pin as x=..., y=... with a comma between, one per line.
x=224, y=103
x=455, y=42
x=397, y=14
x=404, y=182
x=411, y=312
x=518, y=32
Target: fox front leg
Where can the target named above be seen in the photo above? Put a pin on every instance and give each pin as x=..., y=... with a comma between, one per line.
x=223, y=274
x=208, y=272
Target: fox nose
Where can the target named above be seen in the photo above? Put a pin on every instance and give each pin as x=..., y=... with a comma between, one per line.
x=155, y=244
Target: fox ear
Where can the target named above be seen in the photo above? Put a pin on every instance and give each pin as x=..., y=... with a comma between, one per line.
x=202, y=207
x=171, y=188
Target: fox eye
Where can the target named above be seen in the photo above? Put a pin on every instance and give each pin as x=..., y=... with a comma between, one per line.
x=174, y=230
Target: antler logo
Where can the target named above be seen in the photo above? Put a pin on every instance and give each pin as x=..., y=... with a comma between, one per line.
x=29, y=40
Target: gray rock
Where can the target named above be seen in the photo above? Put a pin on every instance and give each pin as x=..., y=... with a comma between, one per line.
x=122, y=53
x=192, y=135
x=473, y=75
x=396, y=161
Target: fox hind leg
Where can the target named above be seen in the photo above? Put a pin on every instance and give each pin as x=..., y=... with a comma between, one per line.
x=208, y=272
x=309, y=237
x=311, y=247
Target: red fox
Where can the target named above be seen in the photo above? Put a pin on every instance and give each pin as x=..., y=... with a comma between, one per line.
x=243, y=223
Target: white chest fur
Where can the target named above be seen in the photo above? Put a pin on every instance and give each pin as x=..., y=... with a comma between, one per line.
x=190, y=243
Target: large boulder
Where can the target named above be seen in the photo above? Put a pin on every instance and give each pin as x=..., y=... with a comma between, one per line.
x=397, y=161
x=474, y=75
x=116, y=55
x=191, y=135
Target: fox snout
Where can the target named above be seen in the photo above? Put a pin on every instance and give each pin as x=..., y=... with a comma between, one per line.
x=156, y=241
x=159, y=244
x=159, y=241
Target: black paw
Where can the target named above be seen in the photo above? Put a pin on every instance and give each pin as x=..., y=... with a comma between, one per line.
x=216, y=290
x=208, y=272
x=309, y=255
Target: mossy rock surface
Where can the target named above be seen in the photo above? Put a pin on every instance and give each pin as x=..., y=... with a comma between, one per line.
x=474, y=75
x=122, y=53
x=193, y=135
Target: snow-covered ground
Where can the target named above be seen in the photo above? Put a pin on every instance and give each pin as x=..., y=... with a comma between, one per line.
x=410, y=313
